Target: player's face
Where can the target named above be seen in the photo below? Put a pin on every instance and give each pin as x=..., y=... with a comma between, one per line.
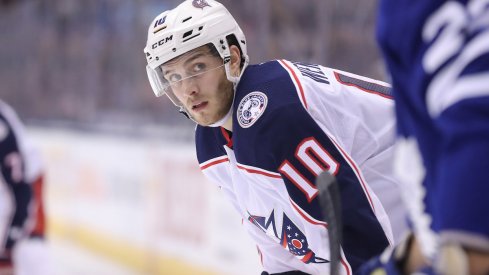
x=198, y=80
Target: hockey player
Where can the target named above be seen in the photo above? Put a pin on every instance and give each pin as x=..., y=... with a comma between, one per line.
x=22, y=248
x=438, y=55
x=266, y=131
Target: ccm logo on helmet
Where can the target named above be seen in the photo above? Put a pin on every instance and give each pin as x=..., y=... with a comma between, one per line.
x=161, y=42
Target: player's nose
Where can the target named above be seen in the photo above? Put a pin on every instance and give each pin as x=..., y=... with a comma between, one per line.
x=189, y=87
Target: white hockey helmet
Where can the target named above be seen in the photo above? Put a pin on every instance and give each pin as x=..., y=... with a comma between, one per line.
x=192, y=24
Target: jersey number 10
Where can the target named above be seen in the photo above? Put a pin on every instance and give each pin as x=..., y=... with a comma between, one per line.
x=315, y=159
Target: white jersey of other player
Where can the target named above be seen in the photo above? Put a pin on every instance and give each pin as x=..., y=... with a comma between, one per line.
x=23, y=250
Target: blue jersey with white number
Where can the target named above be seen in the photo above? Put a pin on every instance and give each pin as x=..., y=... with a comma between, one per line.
x=290, y=122
x=438, y=55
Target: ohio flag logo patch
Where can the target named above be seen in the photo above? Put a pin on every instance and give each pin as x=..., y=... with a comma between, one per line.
x=251, y=108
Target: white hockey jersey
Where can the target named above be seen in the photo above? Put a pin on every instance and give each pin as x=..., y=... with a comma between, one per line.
x=290, y=122
x=22, y=220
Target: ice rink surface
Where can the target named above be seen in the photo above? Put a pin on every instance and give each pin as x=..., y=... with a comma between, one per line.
x=71, y=259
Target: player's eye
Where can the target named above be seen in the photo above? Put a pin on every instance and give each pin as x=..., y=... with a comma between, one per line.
x=173, y=77
x=198, y=67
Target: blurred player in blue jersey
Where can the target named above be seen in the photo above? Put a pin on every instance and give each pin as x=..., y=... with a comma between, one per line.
x=22, y=223
x=266, y=131
x=437, y=53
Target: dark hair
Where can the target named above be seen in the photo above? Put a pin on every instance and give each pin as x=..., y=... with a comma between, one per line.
x=213, y=50
x=232, y=40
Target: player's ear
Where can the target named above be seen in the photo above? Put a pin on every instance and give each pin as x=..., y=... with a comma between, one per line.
x=235, y=60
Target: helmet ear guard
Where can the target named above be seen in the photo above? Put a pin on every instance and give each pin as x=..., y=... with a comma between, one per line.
x=227, y=58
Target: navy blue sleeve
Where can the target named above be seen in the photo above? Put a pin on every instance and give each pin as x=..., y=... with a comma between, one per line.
x=209, y=142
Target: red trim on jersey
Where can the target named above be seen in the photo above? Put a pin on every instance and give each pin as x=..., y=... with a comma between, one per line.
x=309, y=198
x=284, y=241
x=336, y=75
x=314, y=156
x=253, y=171
x=39, y=229
x=260, y=254
x=228, y=138
x=307, y=257
x=7, y=264
x=345, y=265
x=214, y=163
x=301, y=212
x=296, y=79
x=352, y=164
